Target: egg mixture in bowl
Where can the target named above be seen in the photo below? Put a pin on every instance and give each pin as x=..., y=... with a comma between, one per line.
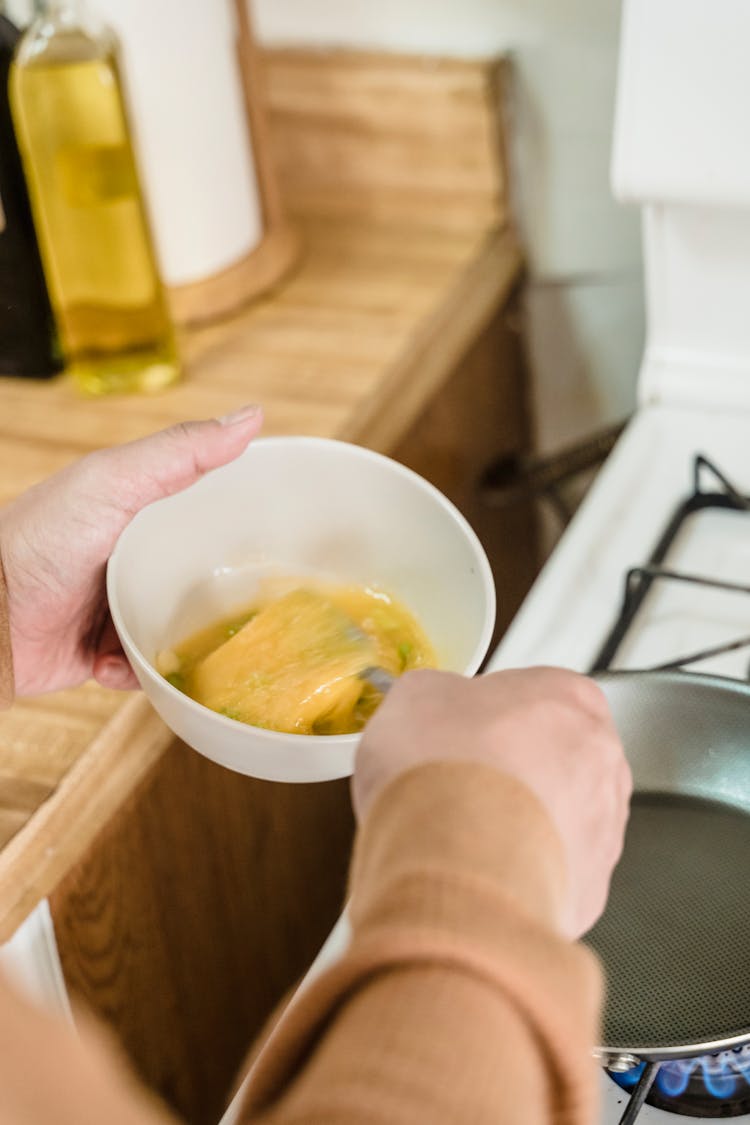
x=297, y=659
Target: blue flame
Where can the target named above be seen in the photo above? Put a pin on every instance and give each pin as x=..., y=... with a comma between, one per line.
x=672, y=1078
x=628, y=1078
x=719, y=1075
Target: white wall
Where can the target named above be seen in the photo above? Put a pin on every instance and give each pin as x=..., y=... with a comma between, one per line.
x=585, y=293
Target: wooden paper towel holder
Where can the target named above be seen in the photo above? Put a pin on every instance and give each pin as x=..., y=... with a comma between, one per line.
x=222, y=293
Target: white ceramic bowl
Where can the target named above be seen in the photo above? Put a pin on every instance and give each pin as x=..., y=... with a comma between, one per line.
x=293, y=505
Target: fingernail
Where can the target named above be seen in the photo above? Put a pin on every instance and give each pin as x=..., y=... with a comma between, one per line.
x=252, y=410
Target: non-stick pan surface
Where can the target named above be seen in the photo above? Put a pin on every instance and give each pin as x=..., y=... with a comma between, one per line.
x=675, y=937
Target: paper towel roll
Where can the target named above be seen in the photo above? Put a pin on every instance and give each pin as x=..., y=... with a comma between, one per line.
x=188, y=117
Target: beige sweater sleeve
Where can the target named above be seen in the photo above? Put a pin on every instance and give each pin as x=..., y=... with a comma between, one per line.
x=6, y=658
x=457, y=999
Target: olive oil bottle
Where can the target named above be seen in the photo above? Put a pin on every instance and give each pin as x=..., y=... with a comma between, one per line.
x=28, y=341
x=71, y=122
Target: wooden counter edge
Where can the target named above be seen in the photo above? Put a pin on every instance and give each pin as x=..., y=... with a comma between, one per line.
x=34, y=861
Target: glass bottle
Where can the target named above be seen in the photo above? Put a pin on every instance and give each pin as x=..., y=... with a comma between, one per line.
x=28, y=341
x=71, y=122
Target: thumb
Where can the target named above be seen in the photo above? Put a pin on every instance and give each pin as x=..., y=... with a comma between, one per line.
x=168, y=461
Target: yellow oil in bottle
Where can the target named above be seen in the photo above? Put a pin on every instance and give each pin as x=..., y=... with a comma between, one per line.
x=93, y=232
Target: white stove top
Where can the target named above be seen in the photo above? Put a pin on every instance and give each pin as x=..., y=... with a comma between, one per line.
x=578, y=596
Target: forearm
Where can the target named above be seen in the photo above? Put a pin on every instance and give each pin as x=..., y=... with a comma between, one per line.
x=457, y=999
x=419, y=1046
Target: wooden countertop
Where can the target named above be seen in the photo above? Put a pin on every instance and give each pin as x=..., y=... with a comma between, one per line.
x=353, y=346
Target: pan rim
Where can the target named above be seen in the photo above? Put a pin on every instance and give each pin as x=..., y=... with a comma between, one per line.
x=665, y=1054
x=657, y=1053
x=675, y=676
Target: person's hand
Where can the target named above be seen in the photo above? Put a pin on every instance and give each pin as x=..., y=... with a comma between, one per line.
x=56, y=538
x=548, y=728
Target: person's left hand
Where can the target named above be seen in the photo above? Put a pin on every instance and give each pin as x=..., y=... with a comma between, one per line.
x=56, y=538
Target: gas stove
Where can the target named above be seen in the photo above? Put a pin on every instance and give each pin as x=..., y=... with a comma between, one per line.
x=654, y=573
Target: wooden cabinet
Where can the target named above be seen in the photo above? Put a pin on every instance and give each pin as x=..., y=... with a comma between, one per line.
x=197, y=908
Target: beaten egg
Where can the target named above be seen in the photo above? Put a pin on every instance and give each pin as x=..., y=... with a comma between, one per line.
x=293, y=660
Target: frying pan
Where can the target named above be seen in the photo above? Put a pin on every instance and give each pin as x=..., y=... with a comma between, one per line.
x=675, y=937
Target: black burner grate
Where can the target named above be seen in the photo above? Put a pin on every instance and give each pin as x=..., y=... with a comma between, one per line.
x=640, y=579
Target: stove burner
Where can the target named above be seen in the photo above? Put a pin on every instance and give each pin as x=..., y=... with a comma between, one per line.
x=714, y=1086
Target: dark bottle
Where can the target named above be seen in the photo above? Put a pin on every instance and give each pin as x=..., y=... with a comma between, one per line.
x=28, y=341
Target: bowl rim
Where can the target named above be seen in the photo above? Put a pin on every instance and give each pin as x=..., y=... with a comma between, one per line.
x=485, y=574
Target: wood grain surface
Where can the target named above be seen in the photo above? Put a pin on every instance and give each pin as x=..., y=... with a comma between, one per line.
x=389, y=136
x=204, y=900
